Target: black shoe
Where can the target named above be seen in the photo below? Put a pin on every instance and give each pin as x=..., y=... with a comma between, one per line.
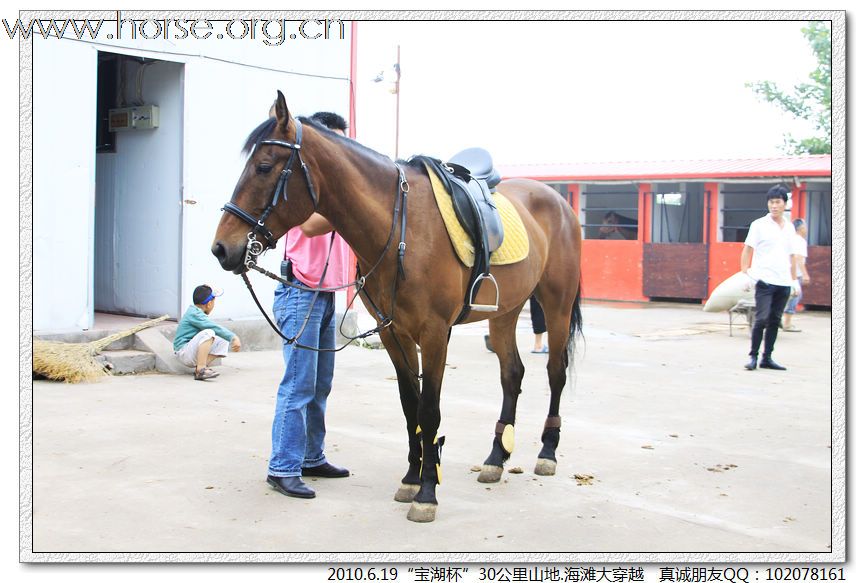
x=291, y=486
x=769, y=363
x=325, y=470
x=751, y=364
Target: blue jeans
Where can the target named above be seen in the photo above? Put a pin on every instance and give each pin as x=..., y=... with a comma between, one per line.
x=298, y=424
x=794, y=300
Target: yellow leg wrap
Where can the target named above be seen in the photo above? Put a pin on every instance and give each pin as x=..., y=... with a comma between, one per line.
x=438, y=465
x=508, y=438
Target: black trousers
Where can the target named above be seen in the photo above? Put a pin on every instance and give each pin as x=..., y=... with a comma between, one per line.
x=770, y=300
x=539, y=325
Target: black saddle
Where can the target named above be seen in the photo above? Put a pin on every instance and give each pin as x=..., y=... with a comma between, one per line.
x=469, y=177
x=479, y=163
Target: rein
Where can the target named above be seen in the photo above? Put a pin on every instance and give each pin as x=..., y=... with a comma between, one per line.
x=254, y=249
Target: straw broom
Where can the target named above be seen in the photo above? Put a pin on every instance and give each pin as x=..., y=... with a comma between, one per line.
x=75, y=363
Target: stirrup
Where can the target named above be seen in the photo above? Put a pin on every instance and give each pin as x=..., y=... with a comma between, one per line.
x=484, y=307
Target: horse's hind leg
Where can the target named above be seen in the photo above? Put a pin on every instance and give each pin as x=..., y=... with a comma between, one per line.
x=558, y=317
x=403, y=353
x=503, y=338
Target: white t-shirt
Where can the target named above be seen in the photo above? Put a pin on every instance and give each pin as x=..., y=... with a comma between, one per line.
x=773, y=246
x=800, y=247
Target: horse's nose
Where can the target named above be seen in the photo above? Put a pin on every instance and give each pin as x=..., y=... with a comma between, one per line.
x=219, y=252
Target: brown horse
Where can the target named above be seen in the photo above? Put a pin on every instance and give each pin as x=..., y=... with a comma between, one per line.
x=616, y=226
x=358, y=191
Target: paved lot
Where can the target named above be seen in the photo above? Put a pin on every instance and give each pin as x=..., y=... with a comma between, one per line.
x=679, y=448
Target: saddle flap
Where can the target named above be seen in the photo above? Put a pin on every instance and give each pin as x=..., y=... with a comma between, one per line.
x=513, y=249
x=474, y=207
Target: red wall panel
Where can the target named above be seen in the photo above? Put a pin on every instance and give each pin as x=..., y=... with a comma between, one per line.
x=613, y=270
x=724, y=261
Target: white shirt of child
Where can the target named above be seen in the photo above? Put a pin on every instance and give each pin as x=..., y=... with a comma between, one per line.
x=773, y=246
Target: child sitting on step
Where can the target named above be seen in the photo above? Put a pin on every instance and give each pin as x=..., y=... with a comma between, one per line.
x=198, y=340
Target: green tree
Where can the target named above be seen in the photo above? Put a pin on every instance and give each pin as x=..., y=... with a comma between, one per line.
x=810, y=101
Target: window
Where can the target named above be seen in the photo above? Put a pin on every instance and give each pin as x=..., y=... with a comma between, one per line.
x=741, y=203
x=819, y=214
x=609, y=211
x=677, y=212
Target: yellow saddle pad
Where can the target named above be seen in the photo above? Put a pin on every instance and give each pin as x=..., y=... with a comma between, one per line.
x=515, y=246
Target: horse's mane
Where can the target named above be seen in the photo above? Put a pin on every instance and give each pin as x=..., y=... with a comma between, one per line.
x=344, y=140
x=265, y=129
x=418, y=162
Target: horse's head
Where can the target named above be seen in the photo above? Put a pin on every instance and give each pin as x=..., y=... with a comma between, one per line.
x=273, y=194
x=608, y=225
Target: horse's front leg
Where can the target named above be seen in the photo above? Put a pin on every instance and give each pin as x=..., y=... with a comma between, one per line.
x=434, y=351
x=403, y=353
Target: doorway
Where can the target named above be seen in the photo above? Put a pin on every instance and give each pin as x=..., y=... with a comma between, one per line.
x=676, y=262
x=137, y=242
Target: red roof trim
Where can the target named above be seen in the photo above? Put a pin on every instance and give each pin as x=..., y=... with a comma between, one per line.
x=554, y=178
x=803, y=166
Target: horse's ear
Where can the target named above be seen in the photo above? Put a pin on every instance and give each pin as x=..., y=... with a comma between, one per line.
x=280, y=110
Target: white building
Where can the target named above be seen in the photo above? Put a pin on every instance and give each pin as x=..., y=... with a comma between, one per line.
x=123, y=221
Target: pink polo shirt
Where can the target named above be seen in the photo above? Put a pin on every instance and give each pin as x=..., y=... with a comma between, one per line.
x=308, y=255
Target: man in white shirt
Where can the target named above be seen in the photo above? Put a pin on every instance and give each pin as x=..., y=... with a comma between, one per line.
x=770, y=245
x=800, y=255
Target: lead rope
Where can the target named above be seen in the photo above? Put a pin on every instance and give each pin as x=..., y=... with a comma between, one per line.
x=293, y=339
x=400, y=212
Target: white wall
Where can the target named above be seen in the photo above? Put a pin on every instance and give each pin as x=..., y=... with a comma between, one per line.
x=229, y=87
x=213, y=160
x=64, y=146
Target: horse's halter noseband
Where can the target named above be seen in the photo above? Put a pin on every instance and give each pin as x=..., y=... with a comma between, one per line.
x=255, y=247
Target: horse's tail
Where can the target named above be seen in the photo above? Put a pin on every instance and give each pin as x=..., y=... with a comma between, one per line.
x=576, y=327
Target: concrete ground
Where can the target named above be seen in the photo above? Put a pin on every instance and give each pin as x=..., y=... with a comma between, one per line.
x=667, y=445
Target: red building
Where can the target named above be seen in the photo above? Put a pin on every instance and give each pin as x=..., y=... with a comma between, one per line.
x=674, y=230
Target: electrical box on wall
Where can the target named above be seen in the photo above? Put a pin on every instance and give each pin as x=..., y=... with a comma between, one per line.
x=140, y=117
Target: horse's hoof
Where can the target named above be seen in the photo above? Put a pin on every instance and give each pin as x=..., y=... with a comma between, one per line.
x=490, y=474
x=545, y=467
x=406, y=492
x=422, y=512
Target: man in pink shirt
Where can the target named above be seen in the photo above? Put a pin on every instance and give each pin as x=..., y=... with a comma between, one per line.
x=298, y=425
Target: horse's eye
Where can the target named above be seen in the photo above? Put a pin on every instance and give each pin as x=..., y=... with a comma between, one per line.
x=263, y=168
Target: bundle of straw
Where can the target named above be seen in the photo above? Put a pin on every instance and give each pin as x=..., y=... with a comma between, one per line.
x=74, y=363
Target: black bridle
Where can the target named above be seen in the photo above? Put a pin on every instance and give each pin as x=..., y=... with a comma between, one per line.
x=255, y=247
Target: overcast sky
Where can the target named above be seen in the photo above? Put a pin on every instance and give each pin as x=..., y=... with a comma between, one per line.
x=535, y=92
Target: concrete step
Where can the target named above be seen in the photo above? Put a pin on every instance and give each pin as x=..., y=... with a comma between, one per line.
x=152, y=348
x=128, y=361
